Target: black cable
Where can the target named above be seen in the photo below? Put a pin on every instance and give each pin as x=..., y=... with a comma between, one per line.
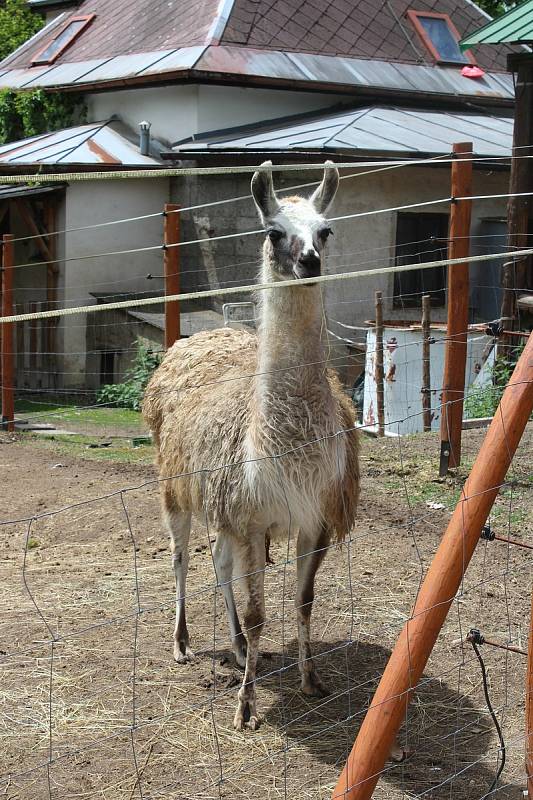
x=472, y=640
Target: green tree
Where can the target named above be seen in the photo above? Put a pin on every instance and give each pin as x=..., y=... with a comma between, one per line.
x=495, y=7
x=17, y=24
x=28, y=113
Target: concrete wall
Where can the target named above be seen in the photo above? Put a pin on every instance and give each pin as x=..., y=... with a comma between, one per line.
x=364, y=243
x=177, y=112
x=91, y=203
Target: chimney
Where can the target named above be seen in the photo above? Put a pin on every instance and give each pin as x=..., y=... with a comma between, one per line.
x=144, y=140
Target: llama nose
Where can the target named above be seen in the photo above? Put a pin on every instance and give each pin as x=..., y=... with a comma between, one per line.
x=309, y=264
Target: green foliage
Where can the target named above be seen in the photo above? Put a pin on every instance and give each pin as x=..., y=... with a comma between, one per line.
x=129, y=393
x=17, y=24
x=483, y=401
x=28, y=113
x=495, y=7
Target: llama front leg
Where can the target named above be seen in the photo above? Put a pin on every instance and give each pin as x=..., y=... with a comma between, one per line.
x=223, y=558
x=251, y=566
x=310, y=551
x=179, y=526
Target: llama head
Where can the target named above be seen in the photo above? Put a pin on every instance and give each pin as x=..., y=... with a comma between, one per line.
x=296, y=227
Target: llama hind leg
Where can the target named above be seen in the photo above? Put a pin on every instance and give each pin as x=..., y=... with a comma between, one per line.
x=223, y=558
x=310, y=551
x=179, y=526
x=251, y=566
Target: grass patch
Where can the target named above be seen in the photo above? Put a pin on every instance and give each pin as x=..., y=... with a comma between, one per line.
x=64, y=414
x=78, y=446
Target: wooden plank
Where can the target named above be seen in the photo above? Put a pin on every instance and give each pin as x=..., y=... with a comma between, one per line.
x=171, y=272
x=453, y=387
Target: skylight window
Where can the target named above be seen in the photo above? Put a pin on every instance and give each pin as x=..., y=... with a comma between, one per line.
x=440, y=36
x=63, y=39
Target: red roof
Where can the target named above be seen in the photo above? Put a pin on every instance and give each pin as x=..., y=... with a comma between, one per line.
x=367, y=29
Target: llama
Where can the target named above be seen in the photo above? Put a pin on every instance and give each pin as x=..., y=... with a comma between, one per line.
x=261, y=436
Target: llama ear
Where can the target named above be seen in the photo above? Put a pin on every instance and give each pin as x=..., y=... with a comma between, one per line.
x=323, y=196
x=263, y=192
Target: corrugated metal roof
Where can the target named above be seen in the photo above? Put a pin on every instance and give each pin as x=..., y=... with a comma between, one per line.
x=516, y=27
x=246, y=63
x=373, y=129
x=93, y=145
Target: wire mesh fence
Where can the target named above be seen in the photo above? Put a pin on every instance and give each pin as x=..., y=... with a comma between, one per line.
x=93, y=703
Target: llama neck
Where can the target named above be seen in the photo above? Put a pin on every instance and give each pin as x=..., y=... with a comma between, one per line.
x=291, y=352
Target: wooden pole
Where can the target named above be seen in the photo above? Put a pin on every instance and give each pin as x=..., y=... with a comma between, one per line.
x=172, y=273
x=426, y=374
x=8, y=365
x=436, y=595
x=380, y=387
x=518, y=274
x=453, y=386
x=529, y=709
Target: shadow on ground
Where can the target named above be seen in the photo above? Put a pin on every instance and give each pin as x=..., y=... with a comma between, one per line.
x=454, y=746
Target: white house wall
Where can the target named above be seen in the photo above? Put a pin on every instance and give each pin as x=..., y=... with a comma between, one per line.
x=90, y=203
x=179, y=111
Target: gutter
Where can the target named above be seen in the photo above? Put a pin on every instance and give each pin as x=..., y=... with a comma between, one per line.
x=225, y=79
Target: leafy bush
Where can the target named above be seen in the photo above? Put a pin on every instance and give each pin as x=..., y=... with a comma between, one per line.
x=28, y=113
x=129, y=393
x=17, y=24
x=483, y=401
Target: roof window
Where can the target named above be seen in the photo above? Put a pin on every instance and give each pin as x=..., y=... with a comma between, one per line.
x=63, y=39
x=440, y=36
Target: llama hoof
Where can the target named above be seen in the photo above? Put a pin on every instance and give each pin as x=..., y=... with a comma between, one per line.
x=183, y=653
x=398, y=755
x=313, y=686
x=245, y=719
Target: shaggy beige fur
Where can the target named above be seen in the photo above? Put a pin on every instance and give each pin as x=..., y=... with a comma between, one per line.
x=256, y=437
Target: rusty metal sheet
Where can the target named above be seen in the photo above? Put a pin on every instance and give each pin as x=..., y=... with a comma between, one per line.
x=173, y=60
x=123, y=66
x=18, y=78
x=84, y=144
x=65, y=74
x=245, y=61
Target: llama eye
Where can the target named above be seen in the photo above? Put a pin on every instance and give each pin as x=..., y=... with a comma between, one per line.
x=324, y=233
x=274, y=235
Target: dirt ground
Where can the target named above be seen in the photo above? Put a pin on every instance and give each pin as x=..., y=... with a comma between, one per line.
x=93, y=706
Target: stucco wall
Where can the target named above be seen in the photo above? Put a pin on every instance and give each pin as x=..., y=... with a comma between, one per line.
x=177, y=112
x=364, y=243
x=91, y=203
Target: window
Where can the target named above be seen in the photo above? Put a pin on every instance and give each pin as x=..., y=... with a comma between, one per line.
x=65, y=36
x=440, y=36
x=420, y=237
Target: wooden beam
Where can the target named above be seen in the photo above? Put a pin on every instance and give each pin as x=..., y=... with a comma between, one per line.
x=172, y=273
x=517, y=274
x=453, y=385
x=26, y=212
x=439, y=588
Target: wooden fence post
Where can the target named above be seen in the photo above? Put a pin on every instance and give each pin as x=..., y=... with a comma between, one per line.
x=380, y=387
x=529, y=709
x=8, y=371
x=172, y=273
x=453, y=385
x=426, y=364
x=415, y=643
